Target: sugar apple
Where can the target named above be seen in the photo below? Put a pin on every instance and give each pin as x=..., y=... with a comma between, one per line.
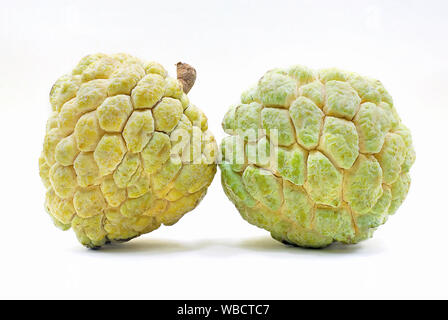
x=124, y=150
x=316, y=157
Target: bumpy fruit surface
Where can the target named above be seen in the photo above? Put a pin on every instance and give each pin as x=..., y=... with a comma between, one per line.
x=316, y=157
x=124, y=150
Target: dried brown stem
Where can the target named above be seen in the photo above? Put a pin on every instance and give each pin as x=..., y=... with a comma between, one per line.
x=186, y=74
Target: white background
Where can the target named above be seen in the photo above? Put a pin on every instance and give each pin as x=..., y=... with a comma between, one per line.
x=212, y=252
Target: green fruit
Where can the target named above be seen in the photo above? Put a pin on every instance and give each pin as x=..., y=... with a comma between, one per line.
x=316, y=157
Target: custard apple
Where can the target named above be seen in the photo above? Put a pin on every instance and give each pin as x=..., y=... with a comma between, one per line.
x=124, y=150
x=316, y=157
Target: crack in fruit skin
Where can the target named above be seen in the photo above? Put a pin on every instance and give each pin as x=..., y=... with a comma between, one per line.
x=343, y=156
x=109, y=161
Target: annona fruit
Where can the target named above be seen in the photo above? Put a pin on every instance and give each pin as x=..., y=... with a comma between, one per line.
x=316, y=157
x=124, y=150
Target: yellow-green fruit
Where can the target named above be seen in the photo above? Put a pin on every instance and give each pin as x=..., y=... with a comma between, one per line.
x=124, y=150
x=316, y=157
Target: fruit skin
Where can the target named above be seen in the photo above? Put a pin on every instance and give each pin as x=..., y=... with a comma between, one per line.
x=124, y=150
x=337, y=166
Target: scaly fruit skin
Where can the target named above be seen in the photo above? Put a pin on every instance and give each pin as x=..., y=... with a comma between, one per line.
x=342, y=158
x=124, y=150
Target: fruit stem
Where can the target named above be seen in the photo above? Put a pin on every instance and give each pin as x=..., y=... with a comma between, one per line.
x=186, y=74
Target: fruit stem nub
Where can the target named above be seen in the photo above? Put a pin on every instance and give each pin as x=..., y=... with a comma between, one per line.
x=186, y=74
